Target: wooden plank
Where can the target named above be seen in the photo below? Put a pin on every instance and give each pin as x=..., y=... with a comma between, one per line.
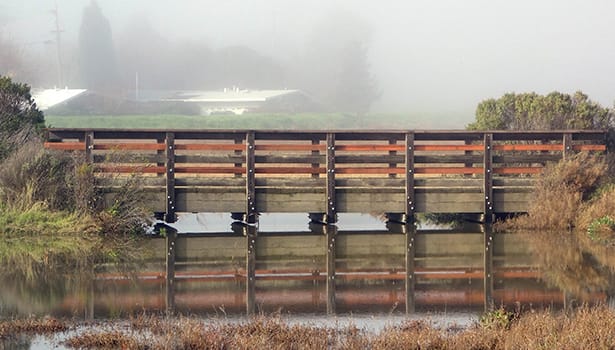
x=65, y=146
x=588, y=148
x=290, y=147
x=129, y=169
x=129, y=147
x=170, y=177
x=210, y=147
x=528, y=147
x=472, y=147
x=517, y=170
x=370, y=148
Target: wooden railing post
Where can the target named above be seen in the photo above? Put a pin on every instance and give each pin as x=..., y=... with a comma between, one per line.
x=488, y=179
x=170, y=176
x=170, y=218
x=251, y=214
x=331, y=212
x=567, y=145
x=409, y=190
x=89, y=146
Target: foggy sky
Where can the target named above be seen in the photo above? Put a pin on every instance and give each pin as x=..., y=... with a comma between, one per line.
x=427, y=56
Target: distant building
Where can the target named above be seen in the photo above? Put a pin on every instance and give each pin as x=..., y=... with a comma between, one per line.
x=227, y=101
x=47, y=98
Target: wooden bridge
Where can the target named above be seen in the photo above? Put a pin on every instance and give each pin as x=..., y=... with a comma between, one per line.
x=398, y=173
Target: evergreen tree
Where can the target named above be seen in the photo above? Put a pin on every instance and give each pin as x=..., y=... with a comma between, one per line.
x=97, y=61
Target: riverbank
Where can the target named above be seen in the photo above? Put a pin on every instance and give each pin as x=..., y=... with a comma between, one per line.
x=583, y=328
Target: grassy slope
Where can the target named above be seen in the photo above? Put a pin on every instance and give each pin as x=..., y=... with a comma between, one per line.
x=264, y=121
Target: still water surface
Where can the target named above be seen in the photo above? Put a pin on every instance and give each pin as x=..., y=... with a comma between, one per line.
x=370, y=289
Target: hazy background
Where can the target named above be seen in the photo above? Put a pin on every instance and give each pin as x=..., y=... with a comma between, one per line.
x=423, y=56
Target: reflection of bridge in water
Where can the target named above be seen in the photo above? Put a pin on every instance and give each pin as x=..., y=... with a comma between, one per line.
x=344, y=271
x=393, y=173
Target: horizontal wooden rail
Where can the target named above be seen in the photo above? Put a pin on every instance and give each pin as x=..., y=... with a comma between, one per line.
x=325, y=172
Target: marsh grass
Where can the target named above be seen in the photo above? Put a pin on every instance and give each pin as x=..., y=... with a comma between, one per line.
x=569, y=226
x=11, y=328
x=583, y=328
x=53, y=221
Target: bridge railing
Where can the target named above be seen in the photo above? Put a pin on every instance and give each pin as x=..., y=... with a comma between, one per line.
x=329, y=171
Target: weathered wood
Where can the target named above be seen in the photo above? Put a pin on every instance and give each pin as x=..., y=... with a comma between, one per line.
x=364, y=172
x=170, y=177
x=251, y=213
x=488, y=179
x=330, y=193
x=409, y=183
x=89, y=146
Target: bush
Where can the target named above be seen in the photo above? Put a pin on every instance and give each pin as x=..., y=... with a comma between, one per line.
x=20, y=119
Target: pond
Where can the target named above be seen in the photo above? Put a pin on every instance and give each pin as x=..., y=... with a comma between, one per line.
x=300, y=273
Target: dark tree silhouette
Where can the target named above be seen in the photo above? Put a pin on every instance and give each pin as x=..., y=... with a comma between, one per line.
x=96, y=52
x=357, y=89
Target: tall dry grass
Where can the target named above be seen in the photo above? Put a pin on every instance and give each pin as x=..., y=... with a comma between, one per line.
x=585, y=328
x=571, y=225
x=52, y=219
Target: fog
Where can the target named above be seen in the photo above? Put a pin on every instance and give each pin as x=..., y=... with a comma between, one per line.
x=423, y=56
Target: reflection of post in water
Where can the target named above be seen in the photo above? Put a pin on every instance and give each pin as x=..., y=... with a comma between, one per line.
x=488, y=266
x=170, y=273
x=410, y=278
x=250, y=232
x=331, y=232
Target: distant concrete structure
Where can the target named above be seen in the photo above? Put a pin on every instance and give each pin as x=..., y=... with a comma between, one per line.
x=193, y=102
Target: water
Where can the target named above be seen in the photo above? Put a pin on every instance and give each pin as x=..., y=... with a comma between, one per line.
x=291, y=276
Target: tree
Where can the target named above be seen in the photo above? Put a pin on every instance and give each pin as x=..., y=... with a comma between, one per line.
x=20, y=119
x=334, y=66
x=96, y=52
x=356, y=87
x=530, y=111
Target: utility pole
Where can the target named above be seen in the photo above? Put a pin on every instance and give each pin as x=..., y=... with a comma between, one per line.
x=58, y=32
